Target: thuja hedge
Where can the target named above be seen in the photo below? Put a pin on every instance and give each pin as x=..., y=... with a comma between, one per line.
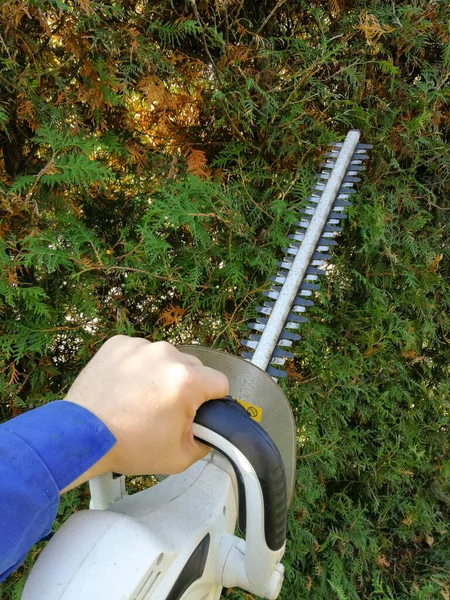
x=154, y=156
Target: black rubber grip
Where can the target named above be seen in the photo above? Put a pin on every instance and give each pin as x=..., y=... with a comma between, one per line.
x=229, y=419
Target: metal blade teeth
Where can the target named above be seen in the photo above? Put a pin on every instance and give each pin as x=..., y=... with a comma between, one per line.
x=319, y=258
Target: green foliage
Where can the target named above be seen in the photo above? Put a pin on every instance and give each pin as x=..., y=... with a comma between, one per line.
x=154, y=158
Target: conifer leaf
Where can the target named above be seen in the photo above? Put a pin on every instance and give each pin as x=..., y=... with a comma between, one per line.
x=335, y=7
x=171, y=315
x=371, y=28
x=197, y=163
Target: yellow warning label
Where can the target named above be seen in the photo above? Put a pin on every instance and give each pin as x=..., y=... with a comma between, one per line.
x=254, y=411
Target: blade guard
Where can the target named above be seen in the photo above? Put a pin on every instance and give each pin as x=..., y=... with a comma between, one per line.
x=251, y=384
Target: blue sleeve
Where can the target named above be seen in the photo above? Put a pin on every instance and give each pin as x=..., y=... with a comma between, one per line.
x=42, y=452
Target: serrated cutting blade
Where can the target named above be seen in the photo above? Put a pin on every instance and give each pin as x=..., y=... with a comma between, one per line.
x=306, y=255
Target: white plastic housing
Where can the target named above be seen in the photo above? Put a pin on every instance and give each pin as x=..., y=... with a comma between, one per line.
x=136, y=549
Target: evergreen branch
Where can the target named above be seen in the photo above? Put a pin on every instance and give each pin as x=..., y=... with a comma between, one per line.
x=132, y=251
x=65, y=327
x=302, y=456
x=5, y=48
x=212, y=215
x=52, y=33
x=270, y=15
x=161, y=277
x=205, y=43
x=46, y=169
x=240, y=135
x=309, y=72
x=243, y=301
x=435, y=567
x=438, y=207
x=250, y=197
x=219, y=79
x=141, y=271
x=97, y=255
x=346, y=67
x=22, y=385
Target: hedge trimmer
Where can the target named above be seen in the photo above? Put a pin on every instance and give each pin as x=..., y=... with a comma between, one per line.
x=176, y=540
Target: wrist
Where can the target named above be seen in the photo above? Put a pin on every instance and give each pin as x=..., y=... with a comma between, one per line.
x=104, y=465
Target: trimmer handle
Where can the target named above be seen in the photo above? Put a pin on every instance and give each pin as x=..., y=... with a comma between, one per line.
x=226, y=426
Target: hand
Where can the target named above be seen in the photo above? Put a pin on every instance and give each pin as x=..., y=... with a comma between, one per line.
x=147, y=395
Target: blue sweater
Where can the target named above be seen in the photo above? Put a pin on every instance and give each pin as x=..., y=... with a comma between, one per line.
x=42, y=452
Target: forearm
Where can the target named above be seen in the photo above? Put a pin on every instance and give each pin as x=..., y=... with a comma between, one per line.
x=42, y=453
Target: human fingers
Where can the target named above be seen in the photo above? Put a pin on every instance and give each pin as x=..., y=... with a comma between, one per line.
x=211, y=384
x=188, y=359
x=123, y=344
x=125, y=347
x=192, y=451
x=193, y=384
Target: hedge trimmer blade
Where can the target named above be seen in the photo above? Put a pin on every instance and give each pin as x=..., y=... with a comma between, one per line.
x=274, y=330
